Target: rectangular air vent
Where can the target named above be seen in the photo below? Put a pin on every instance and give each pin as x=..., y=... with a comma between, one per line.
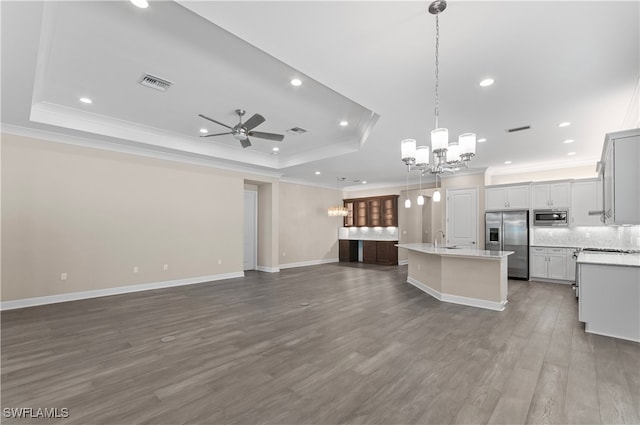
x=154, y=82
x=296, y=130
x=515, y=129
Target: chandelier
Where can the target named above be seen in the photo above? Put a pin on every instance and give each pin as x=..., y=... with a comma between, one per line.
x=338, y=210
x=448, y=155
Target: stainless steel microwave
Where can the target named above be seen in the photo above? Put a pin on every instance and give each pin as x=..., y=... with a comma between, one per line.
x=550, y=218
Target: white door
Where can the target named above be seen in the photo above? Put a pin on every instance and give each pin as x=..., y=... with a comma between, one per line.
x=250, y=243
x=462, y=217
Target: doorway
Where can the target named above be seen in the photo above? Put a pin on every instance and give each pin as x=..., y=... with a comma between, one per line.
x=250, y=236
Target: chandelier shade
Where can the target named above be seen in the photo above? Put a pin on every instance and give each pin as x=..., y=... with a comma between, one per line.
x=467, y=142
x=453, y=152
x=439, y=139
x=422, y=156
x=408, y=150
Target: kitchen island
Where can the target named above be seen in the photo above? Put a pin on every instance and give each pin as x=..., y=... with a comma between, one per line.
x=465, y=276
x=609, y=294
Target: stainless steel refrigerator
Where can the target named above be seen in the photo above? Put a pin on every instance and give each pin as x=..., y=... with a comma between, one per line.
x=509, y=231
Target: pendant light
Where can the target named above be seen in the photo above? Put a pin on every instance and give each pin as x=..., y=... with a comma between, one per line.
x=436, y=194
x=448, y=155
x=420, y=197
x=338, y=210
x=407, y=202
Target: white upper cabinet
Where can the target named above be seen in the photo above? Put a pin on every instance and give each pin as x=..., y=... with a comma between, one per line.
x=621, y=156
x=586, y=196
x=550, y=195
x=507, y=198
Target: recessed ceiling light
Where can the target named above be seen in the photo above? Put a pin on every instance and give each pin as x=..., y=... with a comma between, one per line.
x=571, y=153
x=204, y=130
x=296, y=82
x=276, y=149
x=569, y=141
x=481, y=140
x=564, y=124
x=344, y=123
x=142, y=4
x=486, y=82
x=317, y=173
x=507, y=162
x=364, y=182
x=85, y=100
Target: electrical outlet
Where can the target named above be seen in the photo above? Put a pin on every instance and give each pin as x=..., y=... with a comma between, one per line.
x=63, y=276
x=219, y=261
x=136, y=269
x=165, y=267
x=284, y=254
x=418, y=266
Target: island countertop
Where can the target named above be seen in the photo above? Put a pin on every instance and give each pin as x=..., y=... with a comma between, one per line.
x=613, y=259
x=428, y=248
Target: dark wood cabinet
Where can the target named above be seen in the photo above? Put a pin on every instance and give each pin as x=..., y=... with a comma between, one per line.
x=361, y=213
x=369, y=250
x=380, y=252
x=375, y=211
x=347, y=250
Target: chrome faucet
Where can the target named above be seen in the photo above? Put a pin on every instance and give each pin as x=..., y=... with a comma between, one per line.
x=435, y=242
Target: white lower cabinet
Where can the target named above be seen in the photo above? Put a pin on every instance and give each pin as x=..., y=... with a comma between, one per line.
x=551, y=263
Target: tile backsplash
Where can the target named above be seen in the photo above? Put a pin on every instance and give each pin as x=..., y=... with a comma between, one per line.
x=369, y=233
x=624, y=237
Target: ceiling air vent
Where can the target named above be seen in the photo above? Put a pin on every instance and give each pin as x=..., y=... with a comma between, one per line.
x=154, y=82
x=516, y=129
x=296, y=130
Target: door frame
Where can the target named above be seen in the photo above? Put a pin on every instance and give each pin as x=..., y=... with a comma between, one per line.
x=254, y=196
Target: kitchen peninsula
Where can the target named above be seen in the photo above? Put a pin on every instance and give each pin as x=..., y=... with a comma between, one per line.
x=465, y=276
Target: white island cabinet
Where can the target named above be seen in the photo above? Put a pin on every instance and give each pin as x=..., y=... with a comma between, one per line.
x=471, y=277
x=609, y=290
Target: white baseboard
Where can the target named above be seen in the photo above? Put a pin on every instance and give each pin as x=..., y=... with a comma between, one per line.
x=456, y=299
x=308, y=263
x=403, y=262
x=268, y=269
x=73, y=296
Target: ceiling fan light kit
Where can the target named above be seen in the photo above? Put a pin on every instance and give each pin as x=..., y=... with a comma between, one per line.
x=242, y=131
x=448, y=156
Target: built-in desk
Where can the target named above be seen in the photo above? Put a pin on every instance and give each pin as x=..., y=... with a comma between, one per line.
x=471, y=277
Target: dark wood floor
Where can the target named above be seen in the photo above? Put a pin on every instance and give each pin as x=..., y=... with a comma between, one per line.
x=367, y=349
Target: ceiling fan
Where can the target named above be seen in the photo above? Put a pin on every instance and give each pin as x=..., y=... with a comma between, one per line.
x=242, y=131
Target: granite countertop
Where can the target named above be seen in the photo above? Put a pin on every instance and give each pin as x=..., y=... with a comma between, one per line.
x=428, y=248
x=610, y=259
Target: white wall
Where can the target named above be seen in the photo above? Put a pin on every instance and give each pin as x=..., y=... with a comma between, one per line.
x=96, y=215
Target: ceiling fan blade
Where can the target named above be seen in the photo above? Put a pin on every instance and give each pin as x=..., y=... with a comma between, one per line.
x=254, y=121
x=268, y=136
x=217, y=134
x=245, y=143
x=212, y=120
